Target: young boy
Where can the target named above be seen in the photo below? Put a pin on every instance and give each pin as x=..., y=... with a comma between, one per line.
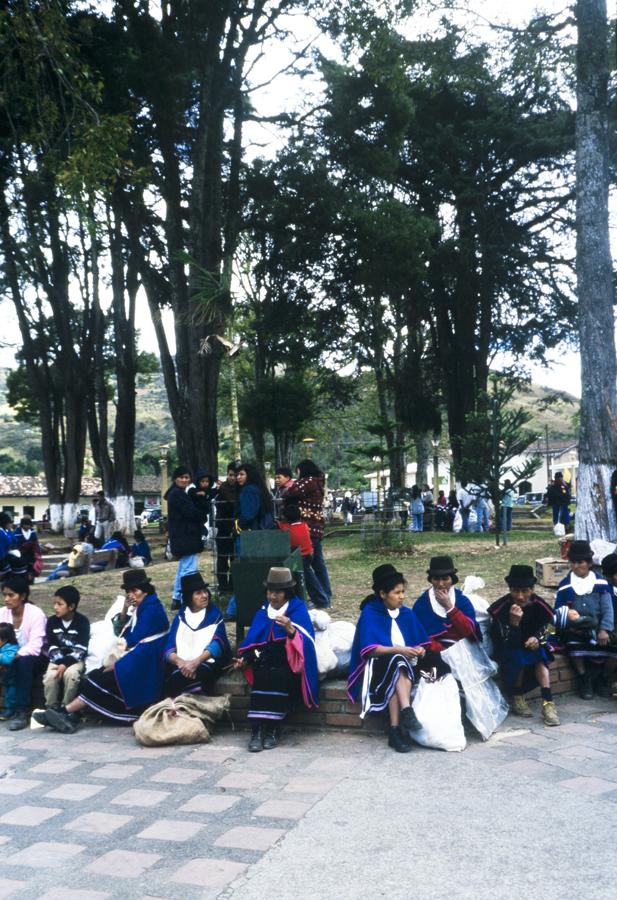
x=8, y=651
x=68, y=634
x=300, y=536
x=520, y=620
x=592, y=652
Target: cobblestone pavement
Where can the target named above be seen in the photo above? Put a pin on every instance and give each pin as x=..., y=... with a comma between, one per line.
x=93, y=815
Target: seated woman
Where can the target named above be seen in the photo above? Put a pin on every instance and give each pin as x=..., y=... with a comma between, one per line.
x=29, y=623
x=278, y=659
x=116, y=542
x=141, y=548
x=197, y=646
x=585, y=621
x=388, y=642
x=444, y=612
x=519, y=630
x=123, y=690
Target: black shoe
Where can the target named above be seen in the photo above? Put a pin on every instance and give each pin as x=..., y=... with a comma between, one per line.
x=585, y=689
x=397, y=740
x=40, y=716
x=61, y=721
x=271, y=739
x=409, y=720
x=602, y=687
x=20, y=720
x=256, y=743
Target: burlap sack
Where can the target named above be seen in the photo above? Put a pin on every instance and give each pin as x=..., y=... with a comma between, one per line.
x=184, y=720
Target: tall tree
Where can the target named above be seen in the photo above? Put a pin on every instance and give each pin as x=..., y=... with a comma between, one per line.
x=595, y=516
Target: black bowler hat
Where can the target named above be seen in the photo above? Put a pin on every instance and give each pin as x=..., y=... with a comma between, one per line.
x=385, y=577
x=136, y=578
x=520, y=577
x=191, y=583
x=578, y=551
x=440, y=566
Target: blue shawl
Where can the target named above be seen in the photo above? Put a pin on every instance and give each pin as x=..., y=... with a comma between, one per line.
x=566, y=595
x=213, y=616
x=435, y=625
x=374, y=629
x=141, y=671
x=263, y=630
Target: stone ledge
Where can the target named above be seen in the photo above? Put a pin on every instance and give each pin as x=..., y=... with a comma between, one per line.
x=337, y=711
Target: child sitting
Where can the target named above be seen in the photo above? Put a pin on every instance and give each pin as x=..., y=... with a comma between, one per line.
x=141, y=548
x=68, y=634
x=588, y=643
x=300, y=536
x=519, y=626
x=8, y=652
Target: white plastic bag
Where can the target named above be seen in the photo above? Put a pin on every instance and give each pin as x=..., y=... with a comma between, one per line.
x=341, y=638
x=486, y=707
x=472, y=584
x=457, y=522
x=438, y=707
x=600, y=549
x=559, y=530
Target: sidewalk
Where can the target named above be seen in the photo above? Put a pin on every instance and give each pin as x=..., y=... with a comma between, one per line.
x=532, y=813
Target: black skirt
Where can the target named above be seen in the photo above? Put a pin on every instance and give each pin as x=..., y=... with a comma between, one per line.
x=380, y=678
x=275, y=687
x=176, y=683
x=99, y=690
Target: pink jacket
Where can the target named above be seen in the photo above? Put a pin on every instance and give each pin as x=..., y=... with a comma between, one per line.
x=33, y=627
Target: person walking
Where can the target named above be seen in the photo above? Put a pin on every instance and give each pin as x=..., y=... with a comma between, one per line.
x=104, y=517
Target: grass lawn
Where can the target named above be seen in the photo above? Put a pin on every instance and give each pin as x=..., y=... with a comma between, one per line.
x=350, y=568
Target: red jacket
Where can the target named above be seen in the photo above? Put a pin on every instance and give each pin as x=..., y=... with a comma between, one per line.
x=300, y=536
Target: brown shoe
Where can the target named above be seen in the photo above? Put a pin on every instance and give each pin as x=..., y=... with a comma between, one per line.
x=549, y=713
x=520, y=707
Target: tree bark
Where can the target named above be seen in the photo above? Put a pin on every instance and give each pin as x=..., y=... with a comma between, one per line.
x=595, y=516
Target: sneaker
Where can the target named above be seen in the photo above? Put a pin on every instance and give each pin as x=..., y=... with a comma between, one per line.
x=398, y=741
x=520, y=707
x=409, y=720
x=7, y=714
x=256, y=743
x=271, y=738
x=549, y=713
x=20, y=720
x=61, y=721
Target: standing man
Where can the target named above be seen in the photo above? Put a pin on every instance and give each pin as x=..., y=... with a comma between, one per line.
x=559, y=496
x=105, y=517
x=283, y=480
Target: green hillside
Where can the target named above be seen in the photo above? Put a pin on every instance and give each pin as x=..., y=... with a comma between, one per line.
x=341, y=435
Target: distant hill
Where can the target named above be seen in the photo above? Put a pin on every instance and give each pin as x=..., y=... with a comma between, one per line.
x=345, y=427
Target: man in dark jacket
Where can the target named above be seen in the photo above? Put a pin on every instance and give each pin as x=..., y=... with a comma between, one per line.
x=559, y=496
x=185, y=526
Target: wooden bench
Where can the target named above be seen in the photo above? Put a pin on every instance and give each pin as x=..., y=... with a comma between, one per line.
x=104, y=560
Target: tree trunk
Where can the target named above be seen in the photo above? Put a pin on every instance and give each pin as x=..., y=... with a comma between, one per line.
x=423, y=458
x=595, y=517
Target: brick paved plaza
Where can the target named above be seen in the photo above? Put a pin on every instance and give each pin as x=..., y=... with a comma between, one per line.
x=94, y=815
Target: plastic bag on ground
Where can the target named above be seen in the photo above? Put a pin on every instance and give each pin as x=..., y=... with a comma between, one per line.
x=457, y=522
x=187, y=719
x=438, y=707
x=486, y=707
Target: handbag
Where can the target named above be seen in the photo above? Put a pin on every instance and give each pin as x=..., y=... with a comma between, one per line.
x=186, y=719
x=438, y=708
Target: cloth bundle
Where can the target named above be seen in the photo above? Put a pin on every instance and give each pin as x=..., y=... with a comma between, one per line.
x=187, y=719
x=333, y=642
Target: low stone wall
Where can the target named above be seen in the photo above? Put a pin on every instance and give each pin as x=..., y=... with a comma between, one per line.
x=337, y=711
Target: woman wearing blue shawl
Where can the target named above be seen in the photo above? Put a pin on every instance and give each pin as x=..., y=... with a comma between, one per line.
x=444, y=611
x=123, y=690
x=388, y=642
x=197, y=647
x=278, y=659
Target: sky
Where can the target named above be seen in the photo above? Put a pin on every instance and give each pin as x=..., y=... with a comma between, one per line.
x=563, y=372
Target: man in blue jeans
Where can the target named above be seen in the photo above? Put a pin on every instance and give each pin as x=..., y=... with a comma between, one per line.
x=559, y=496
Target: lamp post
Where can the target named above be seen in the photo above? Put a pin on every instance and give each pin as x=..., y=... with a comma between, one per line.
x=308, y=443
x=435, y=443
x=378, y=460
x=164, y=476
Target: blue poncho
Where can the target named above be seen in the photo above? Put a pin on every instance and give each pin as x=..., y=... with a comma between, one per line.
x=141, y=671
x=374, y=629
x=437, y=626
x=263, y=630
x=213, y=617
